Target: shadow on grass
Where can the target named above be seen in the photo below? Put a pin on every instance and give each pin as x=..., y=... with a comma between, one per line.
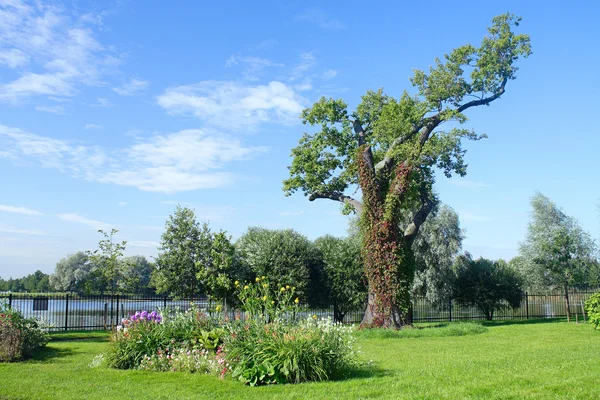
x=363, y=372
x=523, y=321
x=49, y=353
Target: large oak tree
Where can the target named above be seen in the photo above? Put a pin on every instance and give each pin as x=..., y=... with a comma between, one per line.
x=389, y=149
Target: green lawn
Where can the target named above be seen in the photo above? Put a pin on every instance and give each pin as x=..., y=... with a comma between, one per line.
x=544, y=360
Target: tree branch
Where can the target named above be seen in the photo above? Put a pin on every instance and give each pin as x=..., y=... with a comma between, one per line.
x=358, y=206
x=427, y=205
x=486, y=100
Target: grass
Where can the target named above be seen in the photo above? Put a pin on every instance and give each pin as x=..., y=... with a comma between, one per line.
x=511, y=360
x=429, y=330
x=79, y=335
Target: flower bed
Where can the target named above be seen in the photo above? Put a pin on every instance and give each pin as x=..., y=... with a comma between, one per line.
x=269, y=345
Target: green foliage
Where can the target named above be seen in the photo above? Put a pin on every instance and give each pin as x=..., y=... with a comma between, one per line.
x=36, y=282
x=286, y=257
x=264, y=301
x=343, y=273
x=592, y=308
x=390, y=148
x=19, y=337
x=136, y=272
x=72, y=273
x=192, y=259
x=488, y=285
x=107, y=260
x=557, y=252
x=435, y=247
x=185, y=360
x=290, y=353
x=138, y=338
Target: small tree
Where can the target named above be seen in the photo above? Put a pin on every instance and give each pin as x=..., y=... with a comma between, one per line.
x=107, y=260
x=286, y=257
x=180, y=253
x=488, y=285
x=557, y=252
x=344, y=274
x=71, y=273
x=216, y=272
x=136, y=274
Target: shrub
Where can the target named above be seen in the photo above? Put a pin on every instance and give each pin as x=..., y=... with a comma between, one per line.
x=19, y=337
x=272, y=347
x=145, y=333
x=592, y=307
x=290, y=353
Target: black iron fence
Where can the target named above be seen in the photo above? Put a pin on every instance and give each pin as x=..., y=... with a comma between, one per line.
x=75, y=312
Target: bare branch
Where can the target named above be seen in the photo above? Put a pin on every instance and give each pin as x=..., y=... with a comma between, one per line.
x=486, y=100
x=336, y=196
x=427, y=205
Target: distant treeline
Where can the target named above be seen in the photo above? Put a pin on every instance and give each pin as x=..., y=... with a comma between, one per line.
x=36, y=282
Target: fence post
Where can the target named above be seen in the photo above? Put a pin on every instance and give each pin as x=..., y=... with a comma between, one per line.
x=10, y=300
x=118, y=309
x=165, y=302
x=67, y=312
x=527, y=304
x=450, y=308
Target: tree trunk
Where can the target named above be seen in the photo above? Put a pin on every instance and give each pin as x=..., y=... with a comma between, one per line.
x=394, y=319
x=568, y=304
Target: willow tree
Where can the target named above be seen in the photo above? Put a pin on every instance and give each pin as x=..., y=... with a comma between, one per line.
x=390, y=148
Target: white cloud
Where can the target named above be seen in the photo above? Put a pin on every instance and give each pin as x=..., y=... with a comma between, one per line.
x=468, y=216
x=102, y=102
x=467, y=183
x=329, y=74
x=132, y=87
x=185, y=160
x=19, y=210
x=92, y=126
x=143, y=243
x=73, y=217
x=321, y=19
x=291, y=213
x=252, y=66
x=28, y=232
x=13, y=58
x=233, y=105
x=60, y=47
x=51, y=109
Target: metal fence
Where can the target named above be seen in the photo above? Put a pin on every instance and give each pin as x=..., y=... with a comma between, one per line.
x=75, y=312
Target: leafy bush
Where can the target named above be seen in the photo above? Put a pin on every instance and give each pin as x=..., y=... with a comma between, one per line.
x=592, y=307
x=19, y=336
x=290, y=353
x=272, y=347
x=145, y=333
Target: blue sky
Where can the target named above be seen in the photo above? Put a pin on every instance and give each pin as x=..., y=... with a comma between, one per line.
x=113, y=112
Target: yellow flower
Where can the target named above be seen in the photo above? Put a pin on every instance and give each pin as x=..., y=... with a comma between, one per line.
x=237, y=283
x=264, y=277
x=297, y=300
x=314, y=317
x=246, y=287
x=257, y=279
x=218, y=308
x=282, y=289
x=293, y=287
x=264, y=298
x=287, y=286
x=265, y=285
x=272, y=301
